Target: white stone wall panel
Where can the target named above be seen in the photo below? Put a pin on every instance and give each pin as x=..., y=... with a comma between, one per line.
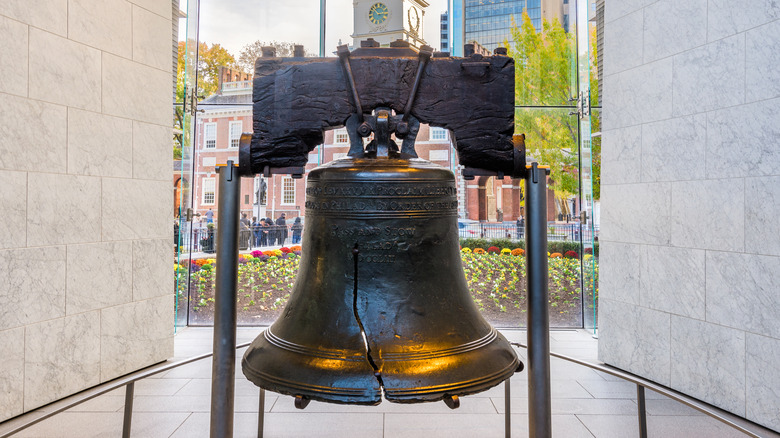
x=12, y=372
x=13, y=75
x=49, y=15
x=62, y=209
x=762, y=56
x=62, y=356
x=13, y=198
x=99, y=275
x=742, y=292
x=635, y=339
x=135, y=335
x=709, y=214
x=103, y=24
x=33, y=285
x=710, y=77
x=709, y=363
x=66, y=72
x=685, y=139
x=672, y=27
x=99, y=145
x=25, y=143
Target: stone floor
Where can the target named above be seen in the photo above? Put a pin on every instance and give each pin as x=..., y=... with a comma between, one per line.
x=585, y=403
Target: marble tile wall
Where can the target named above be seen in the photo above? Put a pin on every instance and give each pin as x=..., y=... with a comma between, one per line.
x=85, y=177
x=690, y=235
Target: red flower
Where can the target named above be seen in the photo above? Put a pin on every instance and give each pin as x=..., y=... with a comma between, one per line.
x=494, y=249
x=571, y=255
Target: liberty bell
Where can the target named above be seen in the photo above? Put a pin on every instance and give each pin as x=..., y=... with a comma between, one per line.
x=380, y=306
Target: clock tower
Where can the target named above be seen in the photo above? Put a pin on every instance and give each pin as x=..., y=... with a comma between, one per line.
x=389, y=20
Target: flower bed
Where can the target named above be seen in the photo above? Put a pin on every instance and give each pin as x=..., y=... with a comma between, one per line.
x=495, y=279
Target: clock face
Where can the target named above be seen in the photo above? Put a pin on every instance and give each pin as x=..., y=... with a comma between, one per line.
x=378, y=13
x=414, y=19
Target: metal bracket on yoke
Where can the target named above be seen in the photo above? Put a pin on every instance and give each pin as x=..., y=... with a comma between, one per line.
x=470, y=172
x=294, y=171
x=404, y=126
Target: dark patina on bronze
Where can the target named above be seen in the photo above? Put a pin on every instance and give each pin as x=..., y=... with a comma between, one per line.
x=380, y=305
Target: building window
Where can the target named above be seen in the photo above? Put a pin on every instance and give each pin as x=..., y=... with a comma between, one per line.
x=339, y=155
x=209, y=161
x=235, y=133
x=210, y=135
x=208, y=191
x=288, y=191
x=438, y=155
x=340, y=136
x=438, y=133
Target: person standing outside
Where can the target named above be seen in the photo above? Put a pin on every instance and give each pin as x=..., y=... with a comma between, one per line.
x=245, y=234
x=281, y=225
x=271, y=231
x=263, y=232
x=520, y=224
x=209, y=217
x=297, y=228
x=255, y=232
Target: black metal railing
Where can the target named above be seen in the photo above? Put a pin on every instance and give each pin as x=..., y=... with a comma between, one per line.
x=201, y=238
x=571, y=231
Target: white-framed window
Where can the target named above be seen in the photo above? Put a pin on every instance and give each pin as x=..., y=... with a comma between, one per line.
x=314, y=158
x=340, y=136
x=209, y=161
x=438, y=155
x=210, y=135
x=288, y=191
x=209, y=190
x=235, y=133
x=437, y=133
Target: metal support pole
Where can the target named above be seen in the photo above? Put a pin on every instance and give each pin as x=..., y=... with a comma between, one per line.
x=261, y=414
x=224, y=362
x=507, y=410
x=539, y=401
x=642, y=410
x=128, y=418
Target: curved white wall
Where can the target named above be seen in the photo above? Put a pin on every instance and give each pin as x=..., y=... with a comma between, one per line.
x=690, y=255
x=85, y=186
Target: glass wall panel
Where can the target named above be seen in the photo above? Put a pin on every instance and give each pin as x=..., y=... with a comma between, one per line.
x=551, y=95
x=184, y=123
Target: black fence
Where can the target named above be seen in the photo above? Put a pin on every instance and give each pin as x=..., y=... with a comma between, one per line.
x=571, y=231
x=201, y=237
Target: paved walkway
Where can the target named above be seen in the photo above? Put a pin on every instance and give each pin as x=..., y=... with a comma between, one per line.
x=586, y=403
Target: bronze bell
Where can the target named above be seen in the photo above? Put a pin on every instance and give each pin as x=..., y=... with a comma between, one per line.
x=380, y=304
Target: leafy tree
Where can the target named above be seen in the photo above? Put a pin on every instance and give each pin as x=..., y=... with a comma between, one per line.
x=250, y=52
x=595, y=118
x=546, y=76
x=210, y=59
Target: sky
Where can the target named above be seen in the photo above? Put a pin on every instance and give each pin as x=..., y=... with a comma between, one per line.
x=236, y=23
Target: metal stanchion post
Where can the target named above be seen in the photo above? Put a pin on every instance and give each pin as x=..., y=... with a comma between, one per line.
x=507, y=409
x=261, y=414
x=539, y=403
x=128, y=415
x=642, y=410
x=224, y=362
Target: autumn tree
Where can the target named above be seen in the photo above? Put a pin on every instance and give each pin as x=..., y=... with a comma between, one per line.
x=210, y=59
x=250, y=52
x=545, y=77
